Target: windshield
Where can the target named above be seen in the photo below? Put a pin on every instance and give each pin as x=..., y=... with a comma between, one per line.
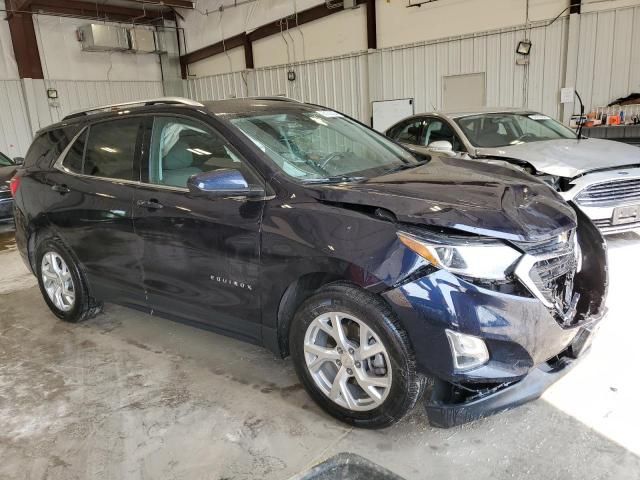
x=5, y=161
x=321, y=145
x=505, y=129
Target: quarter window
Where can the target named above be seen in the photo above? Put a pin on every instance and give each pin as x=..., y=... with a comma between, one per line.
x=181, y=148
x=73, y=159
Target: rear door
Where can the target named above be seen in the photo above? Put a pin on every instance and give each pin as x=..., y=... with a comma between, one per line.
x=90, y=200
x=201, y=255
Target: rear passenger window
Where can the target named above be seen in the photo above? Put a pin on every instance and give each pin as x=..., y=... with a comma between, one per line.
x=110, y=149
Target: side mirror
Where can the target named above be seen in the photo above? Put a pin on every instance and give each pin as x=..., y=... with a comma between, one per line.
x=18, y=160
x=441, y=146
x=224, y=182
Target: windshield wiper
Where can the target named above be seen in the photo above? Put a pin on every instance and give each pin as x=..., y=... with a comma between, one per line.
x=336, y=179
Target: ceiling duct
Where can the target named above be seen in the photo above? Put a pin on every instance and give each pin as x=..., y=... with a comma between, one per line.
x=103, y=38
x=143, y=40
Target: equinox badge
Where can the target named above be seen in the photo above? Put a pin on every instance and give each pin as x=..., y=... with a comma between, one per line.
x=232, y=283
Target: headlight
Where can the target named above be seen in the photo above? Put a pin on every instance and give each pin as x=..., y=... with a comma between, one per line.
x=486, y=259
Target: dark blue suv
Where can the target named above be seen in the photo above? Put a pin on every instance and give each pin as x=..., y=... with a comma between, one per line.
x=292, y=226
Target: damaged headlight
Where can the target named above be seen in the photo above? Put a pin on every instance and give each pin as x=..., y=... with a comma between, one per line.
x=483, y=259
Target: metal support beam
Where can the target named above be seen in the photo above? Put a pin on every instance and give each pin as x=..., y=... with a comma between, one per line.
x=372, y=35
x=575, y=6
x=273, y=28
x=248, y=52
x=25, y=44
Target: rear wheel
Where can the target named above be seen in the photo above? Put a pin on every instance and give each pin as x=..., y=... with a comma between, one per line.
x=62, y=283
x=353, y=358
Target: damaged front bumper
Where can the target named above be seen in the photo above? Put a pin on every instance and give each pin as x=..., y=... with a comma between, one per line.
x=444, y=411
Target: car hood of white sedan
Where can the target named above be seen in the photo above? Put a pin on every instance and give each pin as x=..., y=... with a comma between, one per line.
x=569, y=158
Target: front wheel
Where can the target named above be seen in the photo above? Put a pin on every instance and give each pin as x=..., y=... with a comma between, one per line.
x=353, y=357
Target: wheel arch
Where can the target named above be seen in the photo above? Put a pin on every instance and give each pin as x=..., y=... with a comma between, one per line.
x=294, y=295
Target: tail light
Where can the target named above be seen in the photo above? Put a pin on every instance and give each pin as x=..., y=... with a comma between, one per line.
x=14, y=184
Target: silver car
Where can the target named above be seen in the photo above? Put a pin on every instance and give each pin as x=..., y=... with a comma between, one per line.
x=601, y=176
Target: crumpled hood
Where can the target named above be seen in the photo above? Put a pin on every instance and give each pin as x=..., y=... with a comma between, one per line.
x=569, y=158
x=466, y=195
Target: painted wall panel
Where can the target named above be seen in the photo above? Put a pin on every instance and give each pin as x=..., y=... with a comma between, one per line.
x=417, y=70
x=608, y=56
x=339, y=82
x=218, y=87
x=15, y=132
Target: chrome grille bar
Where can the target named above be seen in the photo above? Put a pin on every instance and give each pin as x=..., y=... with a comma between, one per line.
x=610, y=192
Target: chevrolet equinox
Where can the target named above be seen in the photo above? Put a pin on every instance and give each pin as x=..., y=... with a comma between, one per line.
x=383, y=275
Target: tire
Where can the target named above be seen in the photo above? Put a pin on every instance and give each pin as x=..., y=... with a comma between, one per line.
x=52, y=257
x=395, y=384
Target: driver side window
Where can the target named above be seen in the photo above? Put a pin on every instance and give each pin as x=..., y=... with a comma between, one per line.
x=181, y=148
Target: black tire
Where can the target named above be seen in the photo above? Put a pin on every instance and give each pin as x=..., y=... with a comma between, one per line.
x=84, y=306
x=407, y=385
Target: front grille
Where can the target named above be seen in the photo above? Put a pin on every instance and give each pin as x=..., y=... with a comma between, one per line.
x=610, y=193
x=554, y=279
x=606, y=226
x=548, y=270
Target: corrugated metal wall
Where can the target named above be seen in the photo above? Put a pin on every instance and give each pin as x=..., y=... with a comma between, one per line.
x=15, y=132
x=608, y=56
x=75, y=95
x=219, y=87
x=417, y=70
x=339, y=82
x=24, y=107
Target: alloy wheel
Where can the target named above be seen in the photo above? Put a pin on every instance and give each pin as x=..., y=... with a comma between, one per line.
x=347, y=361
x=57, y=281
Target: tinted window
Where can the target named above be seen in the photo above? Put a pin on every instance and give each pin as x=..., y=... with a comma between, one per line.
x=73, y=159
x=110, y=149
x=408, y=132
x=181, y=148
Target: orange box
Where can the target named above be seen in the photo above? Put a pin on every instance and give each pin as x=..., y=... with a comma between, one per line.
x=613, y=120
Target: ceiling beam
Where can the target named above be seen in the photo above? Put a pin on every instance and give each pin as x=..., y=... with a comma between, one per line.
x=75, y=8
x=168, y=3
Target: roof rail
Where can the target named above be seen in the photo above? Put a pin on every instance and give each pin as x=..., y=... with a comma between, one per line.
x=117, y=106
x=277, y=98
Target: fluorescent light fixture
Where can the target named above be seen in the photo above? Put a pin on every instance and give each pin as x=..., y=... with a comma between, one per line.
x=198, y=151
x=109, y=149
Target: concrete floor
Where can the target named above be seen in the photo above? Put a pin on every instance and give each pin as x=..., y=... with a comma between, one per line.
x=128, y=395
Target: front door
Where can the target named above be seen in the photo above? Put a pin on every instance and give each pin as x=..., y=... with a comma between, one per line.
x=201, y=255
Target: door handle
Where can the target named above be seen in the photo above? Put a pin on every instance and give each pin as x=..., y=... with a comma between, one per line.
x=60, y=188
x=152, y=204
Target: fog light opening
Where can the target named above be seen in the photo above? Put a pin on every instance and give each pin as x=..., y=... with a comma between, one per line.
x=467, y=351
